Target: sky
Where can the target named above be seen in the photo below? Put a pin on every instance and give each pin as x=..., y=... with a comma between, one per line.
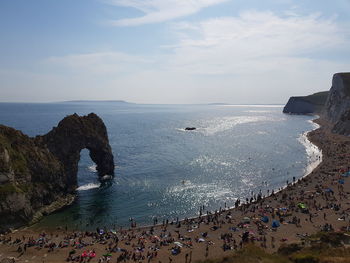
x=171, y=51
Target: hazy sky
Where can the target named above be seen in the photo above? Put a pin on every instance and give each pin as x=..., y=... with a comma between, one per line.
x=171, y=51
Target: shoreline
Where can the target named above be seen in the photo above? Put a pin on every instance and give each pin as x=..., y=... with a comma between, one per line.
x=309, y=189
x=308, y=169
x=316, y=154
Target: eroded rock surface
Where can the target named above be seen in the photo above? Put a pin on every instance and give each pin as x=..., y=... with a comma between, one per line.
x=338, y=103
x=342, y=126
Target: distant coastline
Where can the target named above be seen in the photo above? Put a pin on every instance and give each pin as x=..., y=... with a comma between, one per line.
x=247, y=104
x=97, y=101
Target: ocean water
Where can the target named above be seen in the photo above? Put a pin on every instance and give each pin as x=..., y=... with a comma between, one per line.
x=164, y=171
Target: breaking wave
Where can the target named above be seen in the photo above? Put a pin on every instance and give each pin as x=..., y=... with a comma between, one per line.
x=88, y=186
x=314, y=154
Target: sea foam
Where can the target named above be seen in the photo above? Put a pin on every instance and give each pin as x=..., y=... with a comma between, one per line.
x=314, y=154
x=92, y=168
x=88, y=186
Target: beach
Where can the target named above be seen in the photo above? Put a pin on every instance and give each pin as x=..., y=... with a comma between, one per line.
x=316, y=202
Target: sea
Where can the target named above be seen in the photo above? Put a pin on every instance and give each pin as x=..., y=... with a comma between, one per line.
x=163, y=171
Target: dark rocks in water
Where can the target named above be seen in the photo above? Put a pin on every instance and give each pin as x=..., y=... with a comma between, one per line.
x=190, y=128
x=306, y=104
x=39, y=175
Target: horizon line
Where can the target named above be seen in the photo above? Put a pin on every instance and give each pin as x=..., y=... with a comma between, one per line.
x=127, y=102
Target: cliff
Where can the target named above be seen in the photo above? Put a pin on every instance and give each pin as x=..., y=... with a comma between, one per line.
x=333, y=105
x=39, y=175
x=342, y=126
x=338, y=103
x=306, y=104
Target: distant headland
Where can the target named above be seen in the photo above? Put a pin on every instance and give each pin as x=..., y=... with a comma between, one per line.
x=97, y=101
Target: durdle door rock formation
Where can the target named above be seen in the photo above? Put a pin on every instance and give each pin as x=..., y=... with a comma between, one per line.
x=39, y=175
x=73, y=134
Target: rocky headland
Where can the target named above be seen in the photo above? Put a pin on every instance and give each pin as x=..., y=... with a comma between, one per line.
x=39, y=175
x=306, y=104
x=333, y=105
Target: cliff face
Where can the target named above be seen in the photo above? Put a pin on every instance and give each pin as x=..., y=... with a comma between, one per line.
x=306, y=104
x=342, y=126
x=39, y=175
x=338, y=103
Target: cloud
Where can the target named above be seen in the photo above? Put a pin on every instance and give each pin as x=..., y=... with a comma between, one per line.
x=255, y=57
x=253, y=41
x=156, y=11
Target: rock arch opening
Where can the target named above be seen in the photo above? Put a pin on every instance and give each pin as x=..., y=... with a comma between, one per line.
x=87, y=173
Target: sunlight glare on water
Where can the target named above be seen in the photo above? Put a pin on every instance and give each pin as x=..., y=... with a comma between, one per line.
x=166, y=172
